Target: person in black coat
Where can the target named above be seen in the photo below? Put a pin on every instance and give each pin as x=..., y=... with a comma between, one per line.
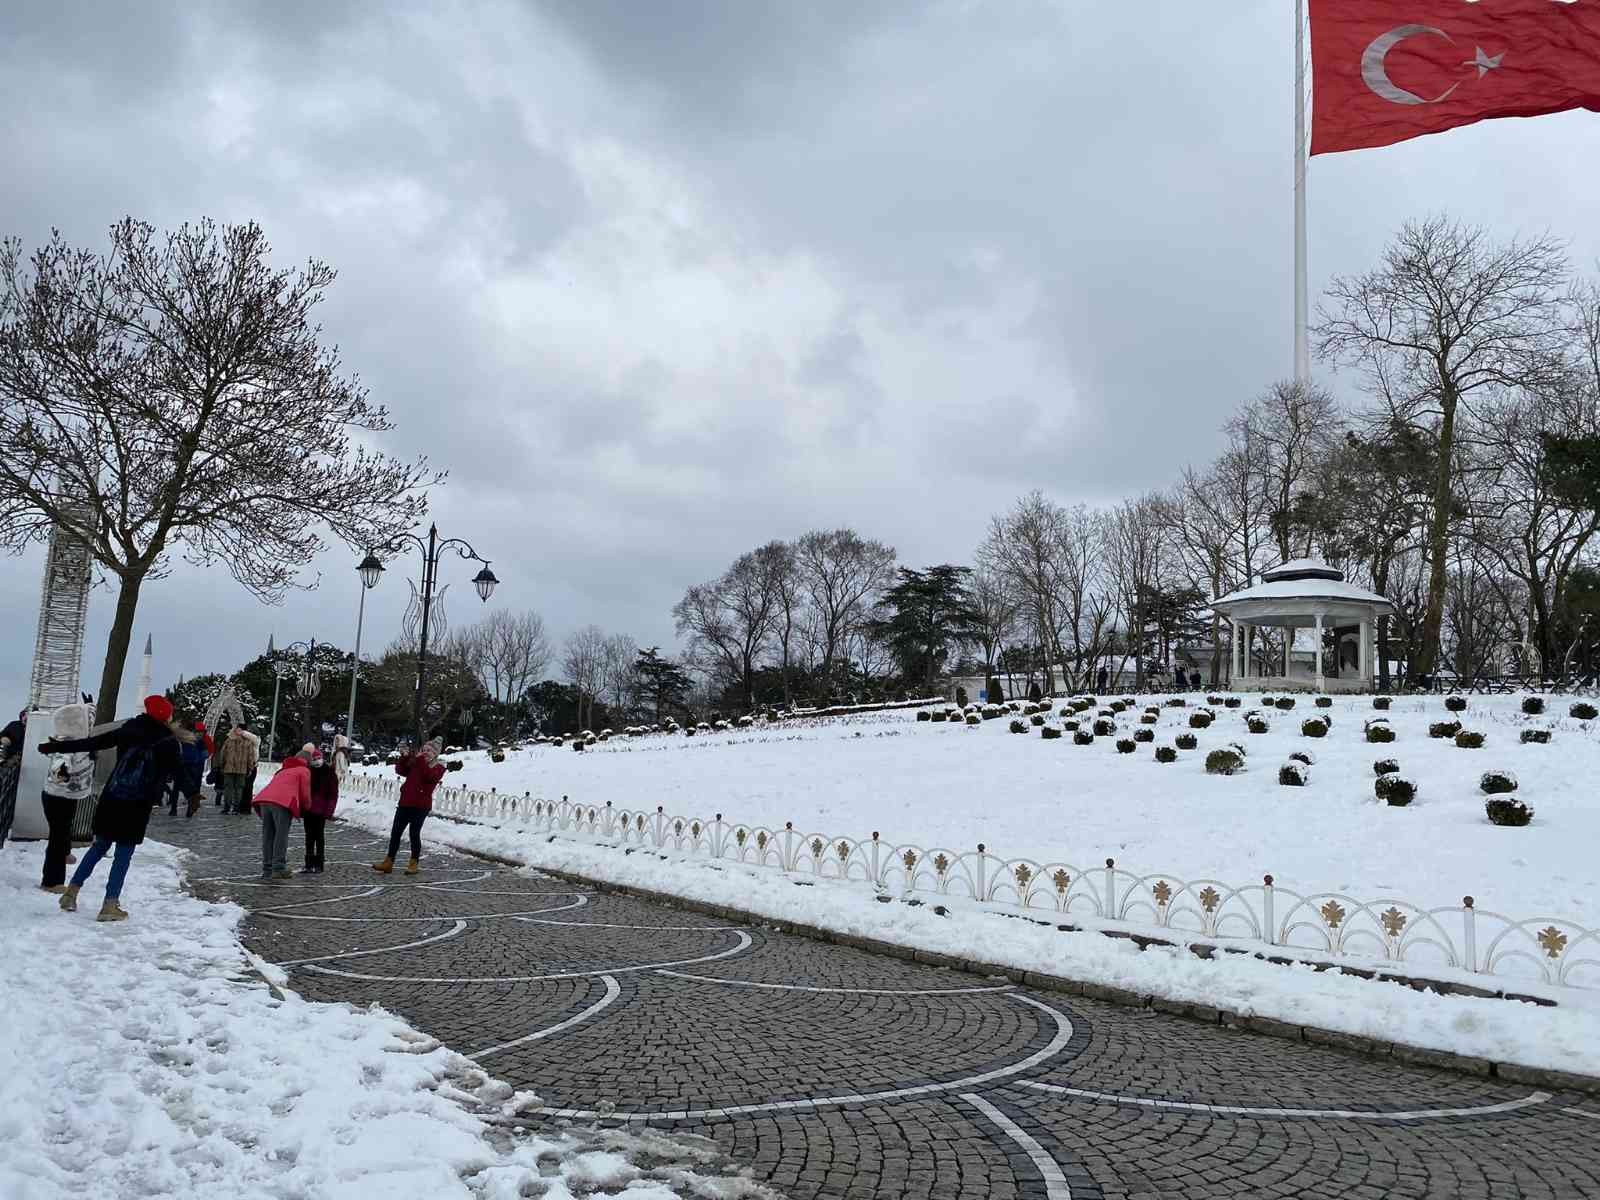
x=148, y=758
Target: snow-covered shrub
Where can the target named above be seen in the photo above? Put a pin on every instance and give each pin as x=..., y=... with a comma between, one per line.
x=1497, y=783
x=455, y=764
x=1294, y=774
x=1084, y=705
x=1125, y=745
x=937, y=715
x=1083, y=738
x=1324, y=701
x=497, y=755
x=993, y=712
x=1186, y=741
x=1444, y=729
x=1201, y=719
x=1224, y=762
x=1394, y=789
x=1385, y=766
x=1166, y=754
x=1232, y=702
x=1238, y=748
x=1502, y=811
x=1303, y=756
x=1177, y=702
x=1377, y=730
x=578, y=743
x=974, y=719
x=1536, y=737
x=1144, y=735
x=1070, y=726
x=1382, y=703
x=1016, y=706
x=1216, y=701
x=1049, y=732
x=1533, y=706
x=1118, y=706
x=1583, y=711
x=1036, y=720
x=1456, y=703
x=1148, y=718
x=1256, y=723
x=1019, y=727
x=924, y=715
x=1314, y=727
x=1268, y=701
x=1469, y=739
x=1285, y=703
x=1104, y=727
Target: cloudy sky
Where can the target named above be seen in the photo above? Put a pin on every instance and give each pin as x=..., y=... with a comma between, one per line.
x=659, y=280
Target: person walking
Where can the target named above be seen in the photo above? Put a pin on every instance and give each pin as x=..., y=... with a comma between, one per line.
x=238, y=759
x=283, y=799
x=147, y=759
x=192, y=745
x=68, y=780
x=324, y=800
x=422, y=772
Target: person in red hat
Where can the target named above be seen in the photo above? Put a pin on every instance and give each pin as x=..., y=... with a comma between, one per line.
x=148, y=758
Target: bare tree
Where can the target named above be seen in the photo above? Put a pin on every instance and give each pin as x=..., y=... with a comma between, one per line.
x=583, y=663
x=1289, y=429
x=509, y=652
x=730, y=621
x=996, y=609
x=619, y=681
x=1448, y=314
x=841, y=573
x=1134, y=545
x=178, y=386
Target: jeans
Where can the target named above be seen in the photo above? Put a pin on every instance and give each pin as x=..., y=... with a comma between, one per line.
x=275, y=822
x=314, y=846
x=119, y=865
x=58, y=812
x=407, y=818
x=233, y=784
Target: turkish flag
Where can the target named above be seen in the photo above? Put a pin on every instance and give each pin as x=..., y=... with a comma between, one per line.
x=1387, y=70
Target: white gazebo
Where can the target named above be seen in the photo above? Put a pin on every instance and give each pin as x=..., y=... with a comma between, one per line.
x=1306, y=594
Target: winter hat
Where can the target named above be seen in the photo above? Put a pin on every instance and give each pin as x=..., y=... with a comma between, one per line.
x=434, y=745
x=199, y=726
x=308, y=751
x=158, y=707
x=73, y=721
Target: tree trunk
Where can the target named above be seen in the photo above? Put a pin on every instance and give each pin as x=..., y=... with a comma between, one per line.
x=1438, y=543
x=117, y=648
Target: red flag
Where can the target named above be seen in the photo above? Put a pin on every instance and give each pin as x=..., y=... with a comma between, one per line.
x=1388, y=70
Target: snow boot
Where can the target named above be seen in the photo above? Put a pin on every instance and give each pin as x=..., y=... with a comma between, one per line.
x=283, y=874
x=69, y=898
x=386, y=866
x=412, y=868
x=111, y=911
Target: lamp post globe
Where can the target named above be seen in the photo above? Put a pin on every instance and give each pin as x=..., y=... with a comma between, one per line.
x=485, y=582
x=370, y=570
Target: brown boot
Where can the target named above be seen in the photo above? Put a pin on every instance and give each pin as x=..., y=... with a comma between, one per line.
x=111, y=911
x=69, y=898
x=385, y=866
x=57, y=888
x=412, y=868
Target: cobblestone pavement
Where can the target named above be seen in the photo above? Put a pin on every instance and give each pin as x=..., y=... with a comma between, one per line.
x=836, y=1073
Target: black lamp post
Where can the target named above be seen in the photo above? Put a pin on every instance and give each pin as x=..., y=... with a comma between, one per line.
x=484, y=581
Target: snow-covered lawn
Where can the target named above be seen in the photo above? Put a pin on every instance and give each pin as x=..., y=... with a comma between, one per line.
x=146, y=1059
x=953, y=786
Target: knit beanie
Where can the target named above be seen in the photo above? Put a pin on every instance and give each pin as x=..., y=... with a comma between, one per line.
x=158, y=707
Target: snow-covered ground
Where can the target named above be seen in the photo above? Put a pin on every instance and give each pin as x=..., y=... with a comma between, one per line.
x=953, y=786
x=146, y=1059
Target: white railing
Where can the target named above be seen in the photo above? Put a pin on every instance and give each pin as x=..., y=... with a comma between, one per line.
x=1317, y=926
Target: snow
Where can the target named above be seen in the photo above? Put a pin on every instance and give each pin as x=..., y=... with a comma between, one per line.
x=952, y=786
x=147, y=1059
x=1565, y=1038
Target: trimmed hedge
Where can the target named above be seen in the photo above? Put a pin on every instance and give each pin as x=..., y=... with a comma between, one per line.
x=1378, y=731
x=1382, y=703
x=1394, y=790
x=1186, y=741
x=1285, y=703
x=1104, y=727
x=1533, y=706
x=1385, y=766
x=1144, y=735
x=1535, y=737
x=1502, y=811
x=1293, y=774
x=1469, y=739
x=1303, y=756
x=1497, y=783
x=1166, y=754
x=1083, y=738
x=1049, y=733
x=1200, y=719
x=1226, y=761
x=1232, y=702
x=1018, y=727
x=1257, y=724
x=1315, y=727
x=1444, y=729
x=1456, y=703
x=1583, y=711
x=1125, y=745
x=1324, y=701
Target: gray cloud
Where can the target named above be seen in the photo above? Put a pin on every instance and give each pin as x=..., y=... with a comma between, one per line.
x=658, y=282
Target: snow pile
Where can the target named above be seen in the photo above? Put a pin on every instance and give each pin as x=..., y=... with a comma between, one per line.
x=147, y=1059
x=1566, y=1038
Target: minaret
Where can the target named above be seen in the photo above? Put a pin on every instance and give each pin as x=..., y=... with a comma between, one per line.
x=144, y=671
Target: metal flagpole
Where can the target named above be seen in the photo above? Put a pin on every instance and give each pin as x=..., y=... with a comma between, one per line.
x=1302, y=353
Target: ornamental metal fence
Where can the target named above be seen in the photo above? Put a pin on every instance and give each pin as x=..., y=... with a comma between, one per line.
x=1314, y=926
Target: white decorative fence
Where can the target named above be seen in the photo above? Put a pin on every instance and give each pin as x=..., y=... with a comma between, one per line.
x=1316, y=926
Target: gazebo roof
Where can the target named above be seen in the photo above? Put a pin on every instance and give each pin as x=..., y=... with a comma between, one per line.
x=1304, y=579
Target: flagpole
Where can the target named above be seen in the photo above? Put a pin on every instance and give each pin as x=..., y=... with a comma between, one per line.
x=1302, y=353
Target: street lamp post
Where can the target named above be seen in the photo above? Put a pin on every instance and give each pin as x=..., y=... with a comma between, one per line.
x=370, y=570
x=308, y=682
x=484, y=581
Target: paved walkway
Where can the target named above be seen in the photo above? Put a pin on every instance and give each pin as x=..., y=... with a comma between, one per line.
x=836, y=1073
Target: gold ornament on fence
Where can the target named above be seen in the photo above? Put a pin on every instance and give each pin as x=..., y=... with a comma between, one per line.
x=1553, y=941
x=910, y=859
x=1333, y=914
x=1062, y=881
x=1209, y=899
x=1394, y=921
x=1023, y=874
x=1162, y=892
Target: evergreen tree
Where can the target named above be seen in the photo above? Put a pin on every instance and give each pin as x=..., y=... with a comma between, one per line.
x=663, y=684
x=923, y=617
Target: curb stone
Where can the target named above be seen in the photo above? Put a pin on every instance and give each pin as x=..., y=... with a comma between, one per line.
x=1553, y=1080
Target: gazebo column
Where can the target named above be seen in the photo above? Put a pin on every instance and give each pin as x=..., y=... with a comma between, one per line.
x=1288, y=650
x=1321, y=682
x=1368, y=676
